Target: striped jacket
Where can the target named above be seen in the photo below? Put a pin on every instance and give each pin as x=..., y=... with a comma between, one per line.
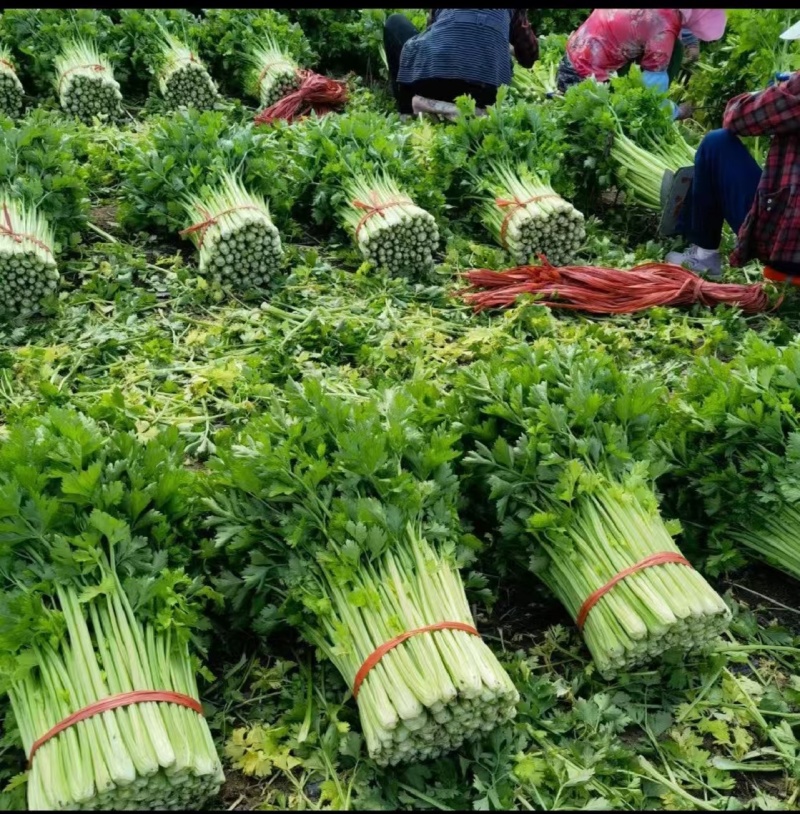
x=470, y=44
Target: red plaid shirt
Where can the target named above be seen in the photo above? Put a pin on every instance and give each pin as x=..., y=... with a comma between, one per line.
x=771, y=230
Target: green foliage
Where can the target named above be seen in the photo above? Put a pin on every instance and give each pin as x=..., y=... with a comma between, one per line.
x=43, y=162
x=744, y=60
x=228, y=36
x=141, y=36
x=38, y=36
x=557, y=21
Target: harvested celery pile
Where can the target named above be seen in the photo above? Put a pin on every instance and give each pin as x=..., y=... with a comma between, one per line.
x=85, y=83
x=238, y=244
x=390, y=230
x=183, y=78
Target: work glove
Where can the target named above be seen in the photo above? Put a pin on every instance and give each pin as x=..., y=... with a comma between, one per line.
x=781, y=76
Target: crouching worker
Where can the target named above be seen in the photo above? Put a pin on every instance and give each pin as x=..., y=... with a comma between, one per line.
x=462, y=52
x=613, y=39
x=762, y=208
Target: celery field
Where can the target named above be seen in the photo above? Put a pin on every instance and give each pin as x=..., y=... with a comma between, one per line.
x=290, y=518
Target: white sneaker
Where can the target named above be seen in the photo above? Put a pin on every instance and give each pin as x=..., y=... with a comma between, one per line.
x=709, y=265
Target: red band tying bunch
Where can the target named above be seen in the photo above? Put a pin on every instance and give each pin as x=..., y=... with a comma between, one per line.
x=374, y=657
x=661, y=558
x=316, y=93
x=113, y=702
x=211, y=220
x=7, y=230
x=377, y=207
x=272, y=65
x=513, y=204
x=96, y=67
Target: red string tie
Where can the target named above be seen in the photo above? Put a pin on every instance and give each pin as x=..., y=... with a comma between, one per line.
x=376, y=207
x=513, y=204
x=113, y=702
x=96, y=67
x=211, y=220
x=374, y=657
x=662, y=558
x=7, y=230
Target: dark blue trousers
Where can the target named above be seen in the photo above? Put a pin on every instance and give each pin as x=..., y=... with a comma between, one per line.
x=723, y=189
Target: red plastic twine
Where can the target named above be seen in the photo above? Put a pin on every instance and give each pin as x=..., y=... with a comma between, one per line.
x=96, y=67
x=515, y=204
x=661, y=558
x=598, y=290
x=7, y=230
x=386, y=647
x=211, y=220
x=124, y=699
x=377, y=208
x=317, y=93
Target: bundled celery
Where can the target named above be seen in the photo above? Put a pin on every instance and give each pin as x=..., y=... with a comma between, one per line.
x=275, y=73
x=734, y=440
x=529, y=218
x=183, y=79
x=11, y=91
x=641, y=166
x=85, y=83
x=347, y=508
x=389, y=228
x=90, y=610
x=238, y=243
x=28, y=270
x=562, y=440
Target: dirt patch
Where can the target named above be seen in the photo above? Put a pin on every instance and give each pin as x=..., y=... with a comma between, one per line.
x=239, y=793
x=105, y=217
x=775, y=593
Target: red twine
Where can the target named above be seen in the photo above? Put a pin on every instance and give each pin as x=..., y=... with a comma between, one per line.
x=515, y=204
x=599, y=290
x=96, y=67
x=386, y=647
x=211, y=220
x=377, y=207
x=113, y=702
x=7, y=230
x=317, y=93
x=661, y=558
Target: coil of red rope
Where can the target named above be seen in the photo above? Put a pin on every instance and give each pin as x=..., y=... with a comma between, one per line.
x=598, y=290
x=317, y=93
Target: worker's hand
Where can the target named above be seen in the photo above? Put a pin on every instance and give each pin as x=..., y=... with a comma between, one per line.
x=685, y=111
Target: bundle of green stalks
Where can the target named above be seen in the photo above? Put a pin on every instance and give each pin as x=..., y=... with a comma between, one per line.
x=528, y=218
x=275, y=74
x=147, y=756
x=28, y=270
x=390, y=230
x=664, y=607
x=11, y=91
x=91, y=612
x=537, y=83
x=85, y=83
x=773, y=537
x=239, y=245
x=642, y=167
x=183, y=79
x=363, y=550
